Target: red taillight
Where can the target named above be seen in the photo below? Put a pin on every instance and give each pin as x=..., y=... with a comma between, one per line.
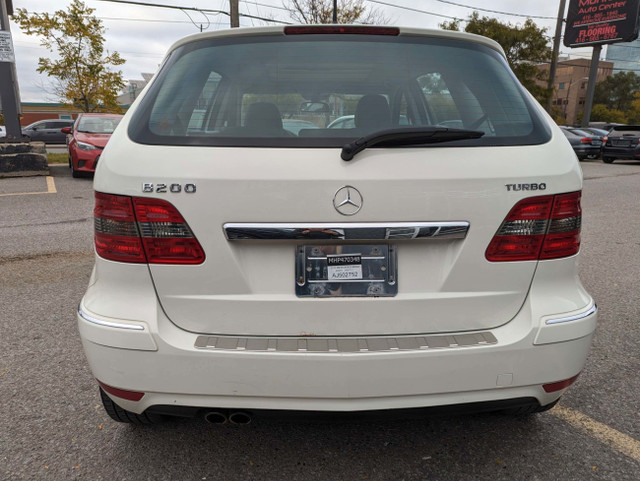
x=337, y=29
x=138, y=229
x=586, y=140
x=545, y=227
x=557, y=386
x=122, y=393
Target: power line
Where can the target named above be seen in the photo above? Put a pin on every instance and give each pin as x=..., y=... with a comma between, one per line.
x=193, y=9
x=496, y=11
x=413, y=9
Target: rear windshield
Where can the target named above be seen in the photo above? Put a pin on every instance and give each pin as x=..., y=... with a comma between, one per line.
x=325, y=90
x=629, y=130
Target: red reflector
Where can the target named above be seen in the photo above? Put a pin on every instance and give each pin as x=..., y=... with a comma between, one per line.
x=337, y=29
x=122, y=393
x=557, y=386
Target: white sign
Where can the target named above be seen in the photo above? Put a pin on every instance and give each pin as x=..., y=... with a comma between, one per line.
x=6, y=47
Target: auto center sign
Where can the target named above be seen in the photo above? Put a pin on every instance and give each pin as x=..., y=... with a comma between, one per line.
x=597, y=22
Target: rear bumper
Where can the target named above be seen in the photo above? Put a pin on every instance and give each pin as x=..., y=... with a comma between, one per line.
x=168, y=367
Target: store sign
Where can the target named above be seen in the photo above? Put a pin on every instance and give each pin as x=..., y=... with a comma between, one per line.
x=598, y=22
x=6, y=47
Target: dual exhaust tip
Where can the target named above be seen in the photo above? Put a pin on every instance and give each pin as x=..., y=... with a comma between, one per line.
x=235, y=417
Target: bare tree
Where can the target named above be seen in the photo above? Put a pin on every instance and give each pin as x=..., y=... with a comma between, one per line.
x=321, y=11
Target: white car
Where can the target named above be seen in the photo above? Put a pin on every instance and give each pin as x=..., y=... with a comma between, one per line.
x=241, y=267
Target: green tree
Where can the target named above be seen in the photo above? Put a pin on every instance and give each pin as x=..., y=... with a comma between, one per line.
x=601, y=113
x=321, y=11
x=616, y=92
x=81, y=72
x=525, y=47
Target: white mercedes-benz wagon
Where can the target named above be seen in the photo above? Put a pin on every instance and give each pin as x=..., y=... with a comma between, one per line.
x=250, y=258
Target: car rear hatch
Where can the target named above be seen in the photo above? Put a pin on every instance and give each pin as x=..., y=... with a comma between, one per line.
x=298, y=241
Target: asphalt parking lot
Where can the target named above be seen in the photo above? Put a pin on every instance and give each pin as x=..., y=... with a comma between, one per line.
x=52, y=425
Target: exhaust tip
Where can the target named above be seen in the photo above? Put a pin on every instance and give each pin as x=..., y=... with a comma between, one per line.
x=240, y=417
x=215, y=417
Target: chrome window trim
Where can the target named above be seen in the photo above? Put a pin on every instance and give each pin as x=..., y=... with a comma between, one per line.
x=100, y=322
x=576, y=317
x=345, y=231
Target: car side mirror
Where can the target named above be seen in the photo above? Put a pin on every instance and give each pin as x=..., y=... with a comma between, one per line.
x=65, y=130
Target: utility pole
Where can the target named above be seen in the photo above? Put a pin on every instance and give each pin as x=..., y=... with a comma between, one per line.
x=335, y=11
x=9, y=94
x=234, y=13
x=556, y=49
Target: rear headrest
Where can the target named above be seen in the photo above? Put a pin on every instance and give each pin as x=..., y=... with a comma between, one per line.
x=373, y=113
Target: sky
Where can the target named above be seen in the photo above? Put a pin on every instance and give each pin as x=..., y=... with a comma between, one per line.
x=142, y=35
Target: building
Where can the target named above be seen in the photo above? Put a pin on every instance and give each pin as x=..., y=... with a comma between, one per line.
x=133, y=89
x=625, y=56
x=570, y=86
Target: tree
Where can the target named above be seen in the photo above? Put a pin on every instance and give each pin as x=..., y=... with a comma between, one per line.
x=616, y=92
x=600, y=113
x=321, y=11
x=81, y=73
x=525, y=46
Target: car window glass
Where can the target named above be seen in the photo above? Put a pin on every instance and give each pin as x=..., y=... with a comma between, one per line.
x=213, y=92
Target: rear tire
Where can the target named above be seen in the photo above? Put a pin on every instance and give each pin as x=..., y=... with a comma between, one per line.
x=120, y=415
x=607, y=160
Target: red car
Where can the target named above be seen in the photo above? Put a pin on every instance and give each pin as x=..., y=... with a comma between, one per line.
x=88, y=137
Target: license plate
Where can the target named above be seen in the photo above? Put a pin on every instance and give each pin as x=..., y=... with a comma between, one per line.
x=342, y=267
x=346, y=271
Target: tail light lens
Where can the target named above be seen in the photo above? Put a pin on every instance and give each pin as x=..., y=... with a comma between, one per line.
x=545, y=227
x=140, y=230
x=586, y=140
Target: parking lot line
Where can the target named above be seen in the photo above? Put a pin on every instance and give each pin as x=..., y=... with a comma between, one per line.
x=51, y=189
x=620, y=442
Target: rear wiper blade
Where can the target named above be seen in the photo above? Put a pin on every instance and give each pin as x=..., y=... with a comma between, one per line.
x=404, y=136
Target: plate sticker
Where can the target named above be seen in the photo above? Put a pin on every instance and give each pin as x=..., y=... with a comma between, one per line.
x=343, y=267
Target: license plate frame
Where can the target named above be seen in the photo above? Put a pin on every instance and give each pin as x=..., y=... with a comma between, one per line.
x=346, y=270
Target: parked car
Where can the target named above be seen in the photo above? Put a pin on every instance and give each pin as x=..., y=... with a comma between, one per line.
x=295, y=126
x=594, y=132
x=87, y=139
x=48, y=131
x=3, y=131
x=584, y=144
x=348, y=122
x=239, y=267
x=622, y=142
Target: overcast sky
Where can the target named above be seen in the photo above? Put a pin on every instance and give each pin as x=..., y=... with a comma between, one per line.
x=142, y=35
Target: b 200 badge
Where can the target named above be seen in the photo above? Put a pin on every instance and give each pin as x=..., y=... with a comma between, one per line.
x=149, y=187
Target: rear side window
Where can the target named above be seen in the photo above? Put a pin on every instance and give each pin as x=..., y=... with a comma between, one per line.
x=325, y=90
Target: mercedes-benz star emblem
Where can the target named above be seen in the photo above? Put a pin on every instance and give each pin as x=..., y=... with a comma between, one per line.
x=347, y=201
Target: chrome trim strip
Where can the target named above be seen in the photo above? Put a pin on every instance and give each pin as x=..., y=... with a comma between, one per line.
x=577, y=317
x=355, y=345
x=346, y=231
x=100, y=322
